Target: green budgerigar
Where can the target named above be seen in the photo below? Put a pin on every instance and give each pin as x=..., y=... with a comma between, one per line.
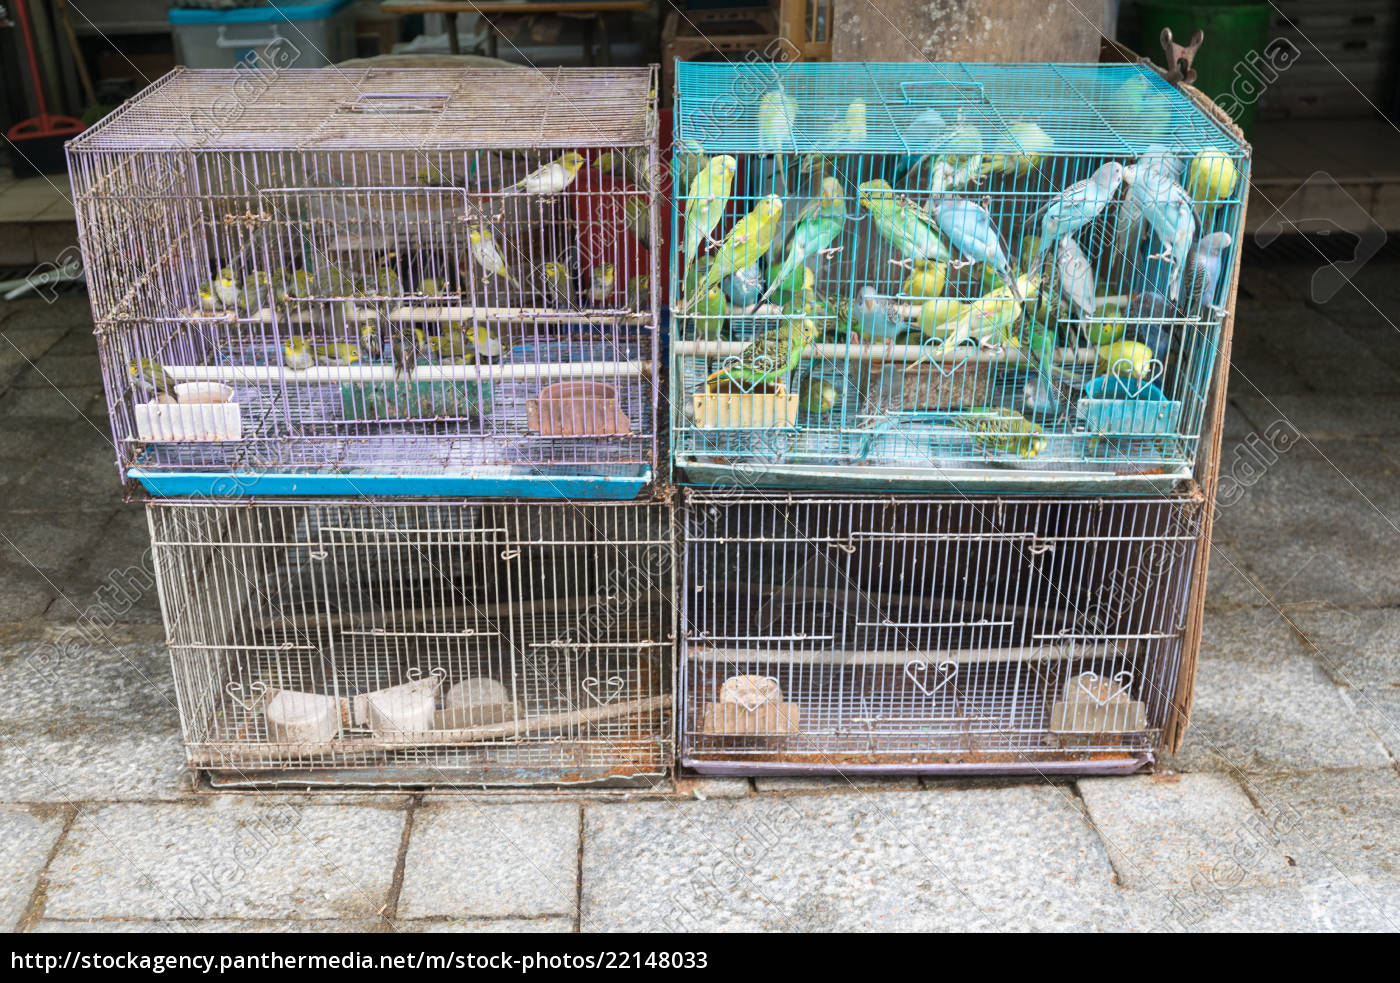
x=818, y=225
x=768, y=358
x=711, y=313
x=705, y=201
x=1003, y=429
x=899, y=221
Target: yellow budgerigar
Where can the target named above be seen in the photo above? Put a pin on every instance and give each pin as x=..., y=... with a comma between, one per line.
x=747, y=242
x=705, y=201
x=551, y=178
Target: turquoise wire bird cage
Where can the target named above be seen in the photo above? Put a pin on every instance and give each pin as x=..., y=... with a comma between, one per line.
x=1008, y=278
x=377, y=281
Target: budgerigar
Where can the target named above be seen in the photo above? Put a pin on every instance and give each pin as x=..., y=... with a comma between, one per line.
x=488, y=255
x=1202, y=275
x=988, y=319
x=1075, y=277
x=925, y=280
x=969, y=228
x=906, y=228
x=777, y=113
x=1003, y=429
x=769, y=357
x=747, y=242
x=602, y=285
x=1166, y=207
x=705, y=201
x=958, y=169
x=710, y=315
x=298, y=354
x=1078, y=205
x=1035, y=143
x=551, y=178
x=871, y=316
x=845, y=133
x=817, y=396
x=150, y=377
x=818, y=225
x=744, y=287
x=1130, y=359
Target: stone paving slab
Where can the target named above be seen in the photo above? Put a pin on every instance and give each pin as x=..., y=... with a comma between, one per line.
x=835, y=783
x=205, y=926
x=89, y=722
x=523, y=926
x=713, y=788
x=466, y=860
x=1263, y=704
x=1170, y=834
x=1336, y=824
x=1019, y=857
x=29, y=837
x=225, y=857
x=1340, y=493
x=1324, y=416
x=1314, y=908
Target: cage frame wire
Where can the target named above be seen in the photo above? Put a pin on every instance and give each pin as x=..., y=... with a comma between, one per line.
x=872, y=694
x=312, y=597
x=1131, y=436
x=270, y=171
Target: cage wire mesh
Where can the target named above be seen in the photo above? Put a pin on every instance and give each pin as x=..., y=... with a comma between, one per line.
x=1007, y=277
x=923, y=634
x=361, y=272
x=427, y=643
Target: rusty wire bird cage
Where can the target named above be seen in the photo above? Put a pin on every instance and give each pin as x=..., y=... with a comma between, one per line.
x=944, y=276
x=426, y=643
x=377, y=281
x=844, y=634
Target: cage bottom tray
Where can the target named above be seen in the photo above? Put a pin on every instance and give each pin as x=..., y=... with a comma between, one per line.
x=873, y=478
x=536, y=483
x=1098, y=763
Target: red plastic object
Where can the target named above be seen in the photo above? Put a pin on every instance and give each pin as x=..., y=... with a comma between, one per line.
x=38, y=141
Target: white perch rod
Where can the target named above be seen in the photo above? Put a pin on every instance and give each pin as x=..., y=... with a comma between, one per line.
x=884, y=353
x=387, y=373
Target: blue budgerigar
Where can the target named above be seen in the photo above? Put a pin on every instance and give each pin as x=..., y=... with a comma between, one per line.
x=1076, y=277
x=971, y=231
x=1079, y=204
x=1166, y=208
x=1202, y=274
x=820, y=222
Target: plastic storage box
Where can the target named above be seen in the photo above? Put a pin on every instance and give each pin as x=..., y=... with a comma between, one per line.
x=287, y=34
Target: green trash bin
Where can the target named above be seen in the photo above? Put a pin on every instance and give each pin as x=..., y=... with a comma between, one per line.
x=1228, y=64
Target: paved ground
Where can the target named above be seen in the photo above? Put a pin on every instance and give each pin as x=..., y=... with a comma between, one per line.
x=1282, y=811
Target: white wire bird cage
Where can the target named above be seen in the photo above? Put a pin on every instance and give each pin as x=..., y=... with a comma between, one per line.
x=377, y=281
x=945, y=276
x=910, y=634
x=432, y=643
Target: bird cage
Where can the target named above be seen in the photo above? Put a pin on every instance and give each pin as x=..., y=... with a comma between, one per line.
x=911, y=634
x=1012, y=278
x=425, y=643
x=377, y=281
